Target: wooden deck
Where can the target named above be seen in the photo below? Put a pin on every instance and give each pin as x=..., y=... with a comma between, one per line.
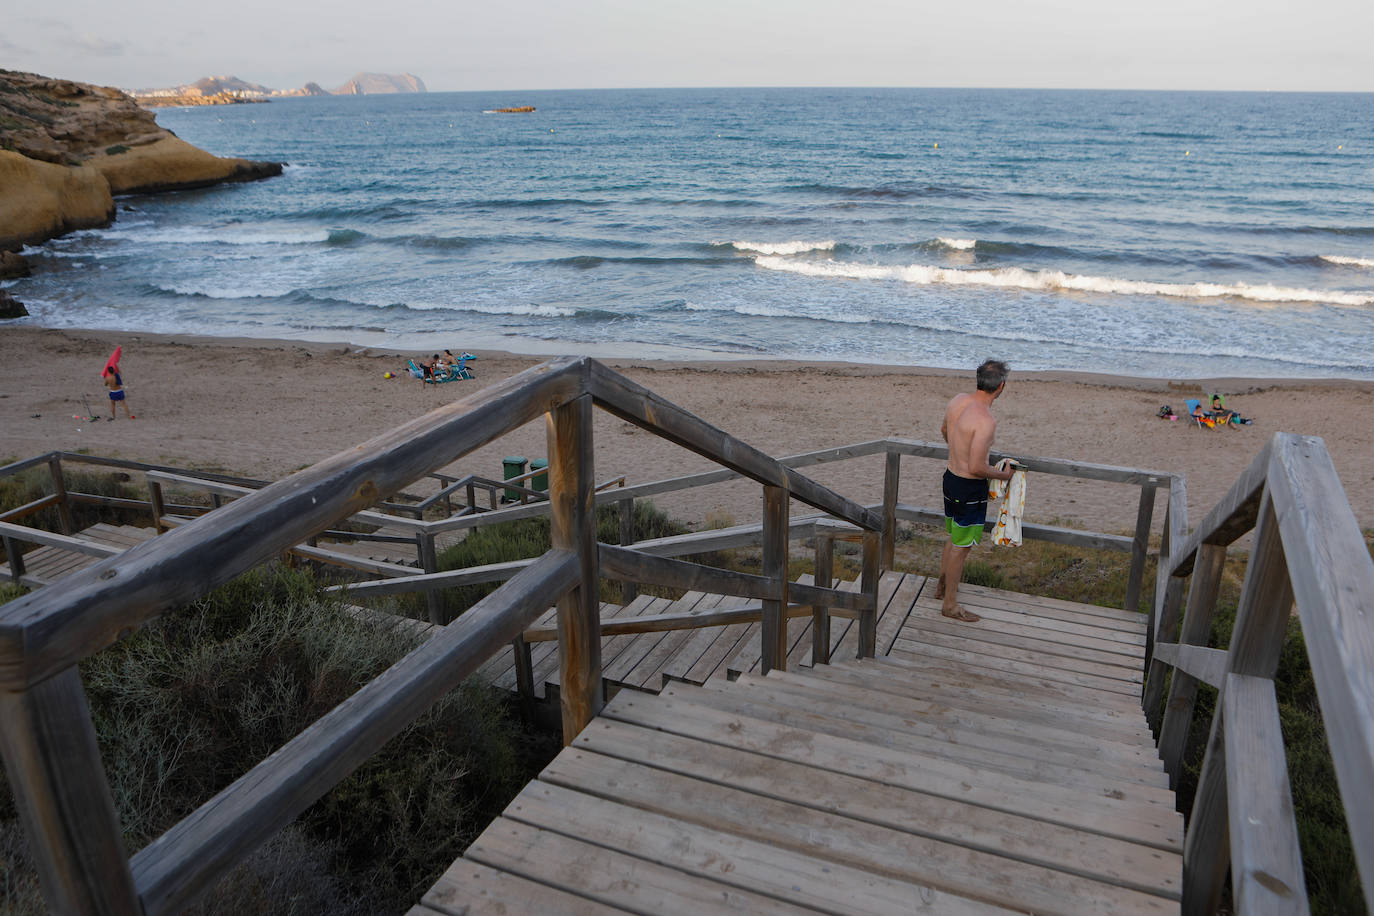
x=44, y=565
x=999, y=766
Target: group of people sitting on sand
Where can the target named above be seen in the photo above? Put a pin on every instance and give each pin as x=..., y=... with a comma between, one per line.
x=1218, y=415
x=438, y=363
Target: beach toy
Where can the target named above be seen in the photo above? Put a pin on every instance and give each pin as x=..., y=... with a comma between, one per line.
x=388, y=375
x=113, y=362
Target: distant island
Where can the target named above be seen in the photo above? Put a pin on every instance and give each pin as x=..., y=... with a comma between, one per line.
x=230, y=90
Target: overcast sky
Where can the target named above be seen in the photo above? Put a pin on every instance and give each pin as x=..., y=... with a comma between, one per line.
x=542, y=44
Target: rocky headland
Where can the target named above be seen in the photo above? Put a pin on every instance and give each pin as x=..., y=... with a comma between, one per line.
x=67, y=149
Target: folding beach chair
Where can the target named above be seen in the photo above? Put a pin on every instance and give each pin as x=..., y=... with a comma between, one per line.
x=1197, y=416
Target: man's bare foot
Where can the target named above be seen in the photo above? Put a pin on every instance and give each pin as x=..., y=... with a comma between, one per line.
x=960, y=614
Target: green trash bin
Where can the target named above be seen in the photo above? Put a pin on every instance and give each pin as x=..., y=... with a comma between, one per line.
x=540, y=482
x=512, y=466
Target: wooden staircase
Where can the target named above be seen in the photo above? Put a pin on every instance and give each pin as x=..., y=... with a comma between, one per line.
x=940, y=778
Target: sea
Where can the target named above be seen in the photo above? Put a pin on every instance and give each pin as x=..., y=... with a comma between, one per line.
x=1155, y=234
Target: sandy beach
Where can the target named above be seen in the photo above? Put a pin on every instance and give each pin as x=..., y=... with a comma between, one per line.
x=268, y=408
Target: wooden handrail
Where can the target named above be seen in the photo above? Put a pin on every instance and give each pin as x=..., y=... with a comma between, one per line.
x=1307, y=551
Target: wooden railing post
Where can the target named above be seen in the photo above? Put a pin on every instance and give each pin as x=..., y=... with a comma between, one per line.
x=59, y=786
x=1197, y=627
x=868, y=584
x=524, y=676
x=572, y=495
x=156, y=504
x=16, y=559
x=1168, y=600
x=891, y=484
x=429, y=559
x=774, y=625
x=820, y=614
x=64, y=509
x=1205, y=850
x=628, y=590
x=1140, y=548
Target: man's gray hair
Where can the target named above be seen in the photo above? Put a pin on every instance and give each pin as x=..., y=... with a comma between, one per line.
x=992, y=374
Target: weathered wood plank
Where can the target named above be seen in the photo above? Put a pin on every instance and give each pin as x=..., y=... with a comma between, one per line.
x=803, y=877
x=185, y=861
x=1140, y=545
x=470, y=888
x=644, y=671
x=1011, y=640
x=55, y=772
x=1266, y=863
x=964, y=766
x=606, y=875
x=850, y=789
x=1198, y=662
x=857, y=844
x=958, y=746
x=1126, y=727
x=927, y=647
x=62, y=541
x=1097, y=742
x=1059, y=467
x=997, y=681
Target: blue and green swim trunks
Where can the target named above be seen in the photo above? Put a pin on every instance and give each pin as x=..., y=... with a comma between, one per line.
x=966, y=508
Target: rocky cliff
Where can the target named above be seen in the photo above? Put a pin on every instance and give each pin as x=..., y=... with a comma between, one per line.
x=381, y=84
x=66, y=148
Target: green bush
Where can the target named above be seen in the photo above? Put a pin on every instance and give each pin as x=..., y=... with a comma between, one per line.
x=197, y=698
x=116, y=149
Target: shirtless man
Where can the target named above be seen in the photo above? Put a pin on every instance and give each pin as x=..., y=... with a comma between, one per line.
x=968, y=428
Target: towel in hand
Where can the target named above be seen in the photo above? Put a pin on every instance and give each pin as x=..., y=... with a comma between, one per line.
x=1007, y=532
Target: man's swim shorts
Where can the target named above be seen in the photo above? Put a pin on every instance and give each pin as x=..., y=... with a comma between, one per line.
x=966, y=508
x=116, y=395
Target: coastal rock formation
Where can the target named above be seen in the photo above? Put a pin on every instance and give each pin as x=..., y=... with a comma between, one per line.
x=42, y=200
x=381, y=84
x=66, y=148
x=11, y=307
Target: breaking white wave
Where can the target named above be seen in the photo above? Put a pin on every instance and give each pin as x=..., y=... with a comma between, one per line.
x=538, y=311
x=1366, y=263
x=783, y=248
x=958, y=244
x=1019, y=278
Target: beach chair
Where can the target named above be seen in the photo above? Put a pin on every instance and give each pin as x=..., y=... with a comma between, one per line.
x=1197, y=416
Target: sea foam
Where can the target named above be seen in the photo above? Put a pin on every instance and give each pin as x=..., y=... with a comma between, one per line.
x=1019, y=278
x=958, y=244
x=783, y=248
x=1366, y=263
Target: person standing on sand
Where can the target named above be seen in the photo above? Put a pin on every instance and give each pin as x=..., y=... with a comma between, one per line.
x=968, y=429
x=116, y=386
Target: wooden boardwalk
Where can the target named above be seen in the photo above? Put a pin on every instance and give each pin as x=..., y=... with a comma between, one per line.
x=1001, y=766
x=44, y=565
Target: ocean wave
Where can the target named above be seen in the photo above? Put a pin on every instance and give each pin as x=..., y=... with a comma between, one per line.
x=770, y=311
x=1344, y=261
x=533, y=311
x=887, y=191
x=344, y=236
x=225, y=236
x=780, y=248
x=957, y=244
x=590, y=261
x=1019, y=278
